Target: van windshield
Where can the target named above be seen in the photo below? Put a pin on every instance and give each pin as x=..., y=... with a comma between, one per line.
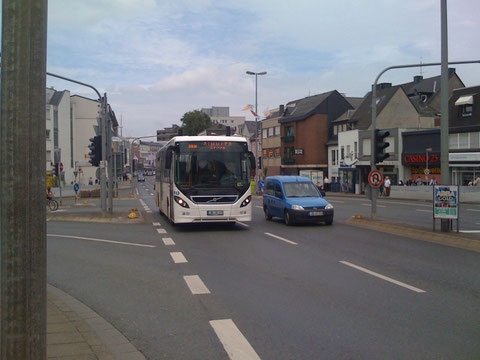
x=300, y=189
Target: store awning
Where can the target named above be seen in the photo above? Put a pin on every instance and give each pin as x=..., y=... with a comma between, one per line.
x=464, y=100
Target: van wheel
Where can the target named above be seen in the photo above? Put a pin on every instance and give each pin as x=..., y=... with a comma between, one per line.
x=288, y=218
x=268, y=216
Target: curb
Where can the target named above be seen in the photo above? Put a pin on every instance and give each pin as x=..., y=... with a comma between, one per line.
x=94, y=335
x=391, y=227
x=96, y=217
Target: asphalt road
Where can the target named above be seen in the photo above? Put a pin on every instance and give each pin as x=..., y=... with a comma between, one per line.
x=301, y=292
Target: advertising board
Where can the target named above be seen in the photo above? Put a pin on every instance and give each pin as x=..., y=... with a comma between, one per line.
x=445, y=202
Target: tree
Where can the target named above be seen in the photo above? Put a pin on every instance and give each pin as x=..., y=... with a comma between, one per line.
x=194, y=122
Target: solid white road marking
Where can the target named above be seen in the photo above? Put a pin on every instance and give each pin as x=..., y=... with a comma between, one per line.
x=380, y=206
x=423, y=210
x=148, y=211
x=243, y=224
x=383, y=277
x=337, y=201
x=101, y=240
x=258, y=207
x=235, y=344
x=196, y=285
x=280, y=238
x=168, y=241
x=161, y=231
x=470, y=231
x=178, y=258
x=473, y=210
x=156, y=224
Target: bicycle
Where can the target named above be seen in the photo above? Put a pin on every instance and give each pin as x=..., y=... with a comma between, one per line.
x=52, y=204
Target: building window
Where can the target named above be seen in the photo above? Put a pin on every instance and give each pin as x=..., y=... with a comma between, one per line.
x=48, y=134
x=264, y=133
x=474, y=140
x=277, y=152
x=335, y=130
x=277, y=131
x=355, y=150
x=264, y=152
x=463, y=141
x=288, y=130
x=466, y=109
x=270, y=153
x=348, y=151
x=334, y=161
x=366, y=148
x=289, y=151
x=453, y=141
x=342, y=153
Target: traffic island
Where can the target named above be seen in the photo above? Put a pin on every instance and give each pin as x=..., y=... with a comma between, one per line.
x=394, y=228
x=117, y=217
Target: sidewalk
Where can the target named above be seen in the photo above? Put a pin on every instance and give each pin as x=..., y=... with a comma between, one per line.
x=76, y=332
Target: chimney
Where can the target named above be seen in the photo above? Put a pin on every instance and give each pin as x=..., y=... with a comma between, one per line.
x=417, y=79
x=281, y=110
x=382, y=86
x=451, y=71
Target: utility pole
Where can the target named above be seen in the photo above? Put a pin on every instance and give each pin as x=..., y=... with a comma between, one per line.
x=103, y=175
x=23, y=298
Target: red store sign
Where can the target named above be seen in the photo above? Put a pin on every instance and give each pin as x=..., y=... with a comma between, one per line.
x=420, y=159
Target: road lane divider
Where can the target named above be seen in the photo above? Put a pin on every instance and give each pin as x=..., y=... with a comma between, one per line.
x=161, y=231
x=473, y=210
x=423, y=210
x=196, y=285
x=168, y=241
x=281, y=238
x=233, y=341
x=178, y=258
x=156, y=224
x=258, y=207
x=380, y=206
x=383, y=277
x=100, y=240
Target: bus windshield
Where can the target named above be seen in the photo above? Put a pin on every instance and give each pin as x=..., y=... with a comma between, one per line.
x=212, y=164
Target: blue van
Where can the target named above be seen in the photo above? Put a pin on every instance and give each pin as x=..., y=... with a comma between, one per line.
x=295, y=199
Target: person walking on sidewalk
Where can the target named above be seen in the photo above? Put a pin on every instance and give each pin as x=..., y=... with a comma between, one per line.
x=387, y=185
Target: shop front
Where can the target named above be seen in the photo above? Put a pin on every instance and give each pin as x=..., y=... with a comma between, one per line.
x=425, y=166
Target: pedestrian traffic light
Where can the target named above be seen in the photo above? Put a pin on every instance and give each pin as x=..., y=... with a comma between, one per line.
x=95, y=150
x=55, y=169
x=381, y=145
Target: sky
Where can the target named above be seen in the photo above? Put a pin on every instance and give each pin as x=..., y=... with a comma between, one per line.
x=158, y=59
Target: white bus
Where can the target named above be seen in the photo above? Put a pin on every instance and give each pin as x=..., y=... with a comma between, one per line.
x=204, y=179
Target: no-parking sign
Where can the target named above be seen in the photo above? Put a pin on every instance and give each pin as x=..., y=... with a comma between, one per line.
x=375, y=178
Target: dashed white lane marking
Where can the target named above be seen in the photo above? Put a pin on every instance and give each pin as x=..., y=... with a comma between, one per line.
x=168, y=241
x=383, y=277
x=243, y=224
x=156, y=224
x=281, y=238
x=161, y=231
x=101, y=240
x=235, y=344
x=148, y=211
x=473, y=210
x=196, y=285
x=178, y=258
x=258, y=207
x=151, y=194
x=380, y=206
x=423, y=210
x=337, y=201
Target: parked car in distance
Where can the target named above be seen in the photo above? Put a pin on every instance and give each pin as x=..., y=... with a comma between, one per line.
x=295, y=199
x=141, y=178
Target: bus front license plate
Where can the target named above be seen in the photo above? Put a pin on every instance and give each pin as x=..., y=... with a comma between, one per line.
x=214, y=212
x=316, y=213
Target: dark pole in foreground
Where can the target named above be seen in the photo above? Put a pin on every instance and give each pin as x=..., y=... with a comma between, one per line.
x=22, y=181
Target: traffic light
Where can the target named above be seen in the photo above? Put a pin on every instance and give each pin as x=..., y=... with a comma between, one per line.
x=381, y=145
x=260, y=162
x=95, y=150
x=55, y=169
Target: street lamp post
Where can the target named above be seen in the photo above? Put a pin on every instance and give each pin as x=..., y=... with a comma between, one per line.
x=427, y=150
x=256, y=117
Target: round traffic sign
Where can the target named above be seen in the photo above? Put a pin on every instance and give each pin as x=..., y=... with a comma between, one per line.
x=375, y=178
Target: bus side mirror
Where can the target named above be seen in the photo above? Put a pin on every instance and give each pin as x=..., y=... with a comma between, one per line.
x=252, y=160
x=168, y=158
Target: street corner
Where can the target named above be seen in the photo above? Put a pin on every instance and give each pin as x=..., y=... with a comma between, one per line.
x=390, y=227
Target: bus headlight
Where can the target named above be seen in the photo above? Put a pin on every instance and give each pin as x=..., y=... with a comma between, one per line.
x=246, y=201
x=181, y=202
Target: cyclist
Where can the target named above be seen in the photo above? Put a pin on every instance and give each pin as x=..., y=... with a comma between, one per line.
x=49, y=193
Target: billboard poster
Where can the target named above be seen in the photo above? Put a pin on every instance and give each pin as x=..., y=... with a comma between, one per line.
x=445, y=202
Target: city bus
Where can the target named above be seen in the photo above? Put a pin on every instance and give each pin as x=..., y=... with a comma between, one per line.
x=204, y=179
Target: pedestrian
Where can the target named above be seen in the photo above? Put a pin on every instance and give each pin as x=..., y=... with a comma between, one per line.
x=433, y=181
x=470, y=183
x=90, y=181
x=387, y=185
x=326, y=183
x=419, y=180
x=477, y=181
x=400, y=182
